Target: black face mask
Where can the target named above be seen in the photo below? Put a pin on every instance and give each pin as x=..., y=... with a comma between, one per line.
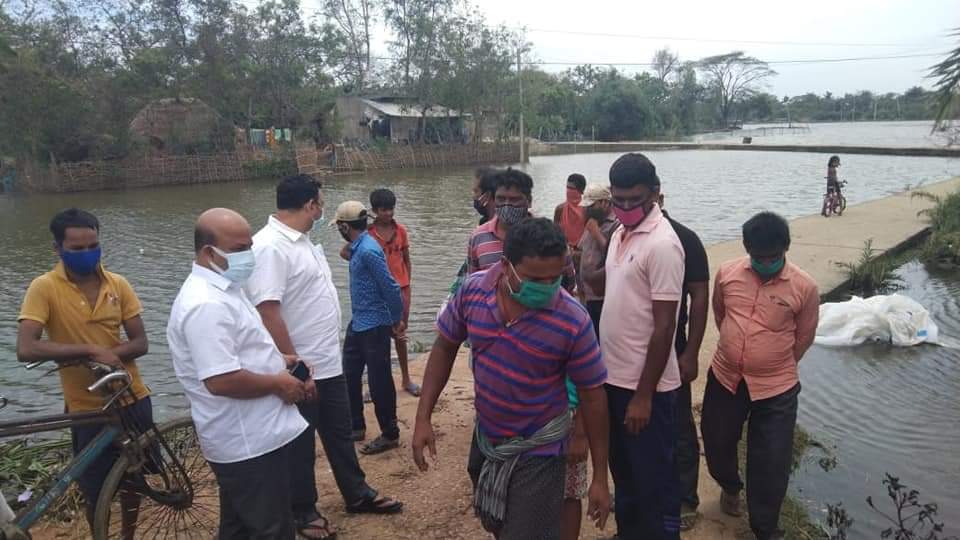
x=344, y=232
x=480, y=207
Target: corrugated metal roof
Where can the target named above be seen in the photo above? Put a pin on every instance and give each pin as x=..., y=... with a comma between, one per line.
x=409, y=110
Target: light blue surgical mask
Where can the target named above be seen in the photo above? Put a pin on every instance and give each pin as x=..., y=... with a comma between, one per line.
x=318, y=223
x=239, y=265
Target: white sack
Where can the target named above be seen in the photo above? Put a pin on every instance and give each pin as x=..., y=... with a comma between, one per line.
x=892, y=319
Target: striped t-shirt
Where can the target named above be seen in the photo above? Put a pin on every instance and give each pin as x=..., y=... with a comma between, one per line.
x=519, y=370
x=485, y=249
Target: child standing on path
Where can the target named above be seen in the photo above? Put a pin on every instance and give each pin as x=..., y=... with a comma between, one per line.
x=393, y=238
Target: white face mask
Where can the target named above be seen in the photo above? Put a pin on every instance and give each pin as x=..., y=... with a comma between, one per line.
x=240, y=265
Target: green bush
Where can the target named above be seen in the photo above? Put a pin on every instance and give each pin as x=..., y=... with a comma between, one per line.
x=871, y=274
x=34, y=466
x=943, y=246
x=276, y=168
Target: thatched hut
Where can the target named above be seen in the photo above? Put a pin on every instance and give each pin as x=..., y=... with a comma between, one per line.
x=181, y=125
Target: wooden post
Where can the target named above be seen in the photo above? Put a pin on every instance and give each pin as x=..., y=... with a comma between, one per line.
x=523, y=157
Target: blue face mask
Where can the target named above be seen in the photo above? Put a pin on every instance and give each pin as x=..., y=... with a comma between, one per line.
x=239, y=265
x=82, y=263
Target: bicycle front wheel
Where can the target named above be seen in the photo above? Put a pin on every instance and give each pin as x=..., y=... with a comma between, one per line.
x=170, y=493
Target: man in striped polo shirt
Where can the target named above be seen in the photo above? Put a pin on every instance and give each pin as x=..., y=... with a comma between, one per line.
x=513, y=196
x=527, y=336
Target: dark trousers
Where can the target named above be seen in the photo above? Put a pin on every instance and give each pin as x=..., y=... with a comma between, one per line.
x=534, y=496
x=595, y=308
x=687, y=455
x=138, y=414
x=370, y=349
x=255, y=498
x=329, y=416
x=645, y=484
x=769, y=447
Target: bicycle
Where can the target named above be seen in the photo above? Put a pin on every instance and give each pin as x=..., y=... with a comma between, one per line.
x=160, y=472
x=834, y=202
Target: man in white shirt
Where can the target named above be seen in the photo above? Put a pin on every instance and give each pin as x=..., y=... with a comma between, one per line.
x=293, y=290
x=241, y=396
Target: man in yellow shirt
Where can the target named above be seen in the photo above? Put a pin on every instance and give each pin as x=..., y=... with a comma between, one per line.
x=82, y=307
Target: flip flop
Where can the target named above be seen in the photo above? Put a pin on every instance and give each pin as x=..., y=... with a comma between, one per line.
x=379, y=445
x=688, y=519
x=309, y=524
x=376, y=505
x=412, y=388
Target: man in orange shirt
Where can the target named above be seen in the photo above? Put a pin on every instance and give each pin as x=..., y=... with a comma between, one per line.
x=393, y=238
x=766, y=309
x=569, y=215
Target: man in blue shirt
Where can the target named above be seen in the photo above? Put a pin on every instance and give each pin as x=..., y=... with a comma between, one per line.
x=377, y=316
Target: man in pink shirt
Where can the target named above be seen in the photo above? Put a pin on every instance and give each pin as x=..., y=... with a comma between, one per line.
x=766, y=309
x=644, y=281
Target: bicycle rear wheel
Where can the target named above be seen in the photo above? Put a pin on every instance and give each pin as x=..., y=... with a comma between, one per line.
x=169, y=493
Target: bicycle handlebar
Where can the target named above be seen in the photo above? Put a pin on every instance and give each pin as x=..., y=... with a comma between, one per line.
x=108, y=378
x=112, y=375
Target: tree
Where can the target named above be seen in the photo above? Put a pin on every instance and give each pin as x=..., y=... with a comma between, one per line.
x=420, y=56
x=733, y=77
x=665, y=63
x=348, y=39
x=947, y=73
x=619, y=110
x=474, y=73
x=583, y=78
x=287, y=56
x=685, y=97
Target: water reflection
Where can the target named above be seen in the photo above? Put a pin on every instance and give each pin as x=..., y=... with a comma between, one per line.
x=888, y=409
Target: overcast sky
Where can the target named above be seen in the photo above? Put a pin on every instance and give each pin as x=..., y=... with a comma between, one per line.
x=803, y=30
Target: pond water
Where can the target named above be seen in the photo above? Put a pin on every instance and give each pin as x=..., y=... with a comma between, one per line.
x=712, y=192
x=881, y=409
x=891, y=134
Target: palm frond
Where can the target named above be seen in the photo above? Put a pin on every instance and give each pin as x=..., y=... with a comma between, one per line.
x=947, y=73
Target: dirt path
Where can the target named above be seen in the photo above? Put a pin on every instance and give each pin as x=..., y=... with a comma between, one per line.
x=438, y=501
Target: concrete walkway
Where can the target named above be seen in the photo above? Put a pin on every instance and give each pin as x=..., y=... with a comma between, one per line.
x=818, y=244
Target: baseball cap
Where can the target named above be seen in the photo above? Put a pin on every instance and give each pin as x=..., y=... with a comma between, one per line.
x=594, y=193
x=350, y=211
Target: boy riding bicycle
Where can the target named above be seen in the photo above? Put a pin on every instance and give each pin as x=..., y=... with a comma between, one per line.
x=833, y=183
x=832, y=198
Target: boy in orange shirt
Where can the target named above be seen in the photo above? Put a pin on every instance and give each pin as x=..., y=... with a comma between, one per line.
x=393, y=238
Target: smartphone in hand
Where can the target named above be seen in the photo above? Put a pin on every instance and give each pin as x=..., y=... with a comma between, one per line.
x=300, y=371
